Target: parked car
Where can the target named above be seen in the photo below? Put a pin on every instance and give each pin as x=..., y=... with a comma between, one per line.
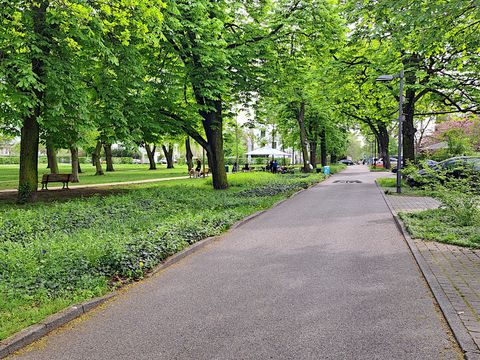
x=379, y=162
x=430, y=163
x=346, y=162
x=454, y=167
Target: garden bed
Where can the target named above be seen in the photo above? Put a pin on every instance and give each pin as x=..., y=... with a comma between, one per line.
x=442, y=226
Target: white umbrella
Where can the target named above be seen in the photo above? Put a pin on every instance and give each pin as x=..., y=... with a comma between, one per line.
x=267, y=151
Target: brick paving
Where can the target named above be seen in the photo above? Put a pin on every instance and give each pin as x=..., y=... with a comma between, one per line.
x=457, y=269
x=402, y=203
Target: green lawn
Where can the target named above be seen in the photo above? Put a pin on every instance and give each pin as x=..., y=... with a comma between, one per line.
x=389, y=184
x=55, y=254
x=443, y=226
x=122, y=173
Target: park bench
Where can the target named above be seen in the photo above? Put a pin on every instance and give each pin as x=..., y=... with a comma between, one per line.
x=63, y=178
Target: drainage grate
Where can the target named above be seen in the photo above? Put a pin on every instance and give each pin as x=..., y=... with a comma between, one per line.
x=347, y=181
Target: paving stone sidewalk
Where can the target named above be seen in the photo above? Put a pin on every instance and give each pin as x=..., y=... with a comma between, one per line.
x=457, y=269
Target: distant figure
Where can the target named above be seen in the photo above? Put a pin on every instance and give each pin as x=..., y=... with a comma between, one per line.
x=246, y=167
x=235, y=167
x=198, y=168
x=274, y=166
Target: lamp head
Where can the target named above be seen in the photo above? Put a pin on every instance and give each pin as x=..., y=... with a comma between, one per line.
x=385, y=78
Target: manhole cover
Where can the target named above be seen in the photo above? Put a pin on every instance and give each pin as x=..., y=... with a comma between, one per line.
x=347, y=181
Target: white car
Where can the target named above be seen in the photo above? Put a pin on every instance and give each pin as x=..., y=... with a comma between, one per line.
x=379, y=162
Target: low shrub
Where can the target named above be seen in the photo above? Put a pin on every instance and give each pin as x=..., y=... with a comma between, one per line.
x=9, y=160
x=442, y=226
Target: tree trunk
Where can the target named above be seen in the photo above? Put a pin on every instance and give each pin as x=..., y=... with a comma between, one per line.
x=52, y=158
x=98, y=162
x=313, y=153
x=383, y=142
x=323, y=147
x=28, y=178
x=75, y=163
x=151, y=156
x=333, y=158
x=30, y=131
x=303, y=136
x=213, y=124
x=409, y=131
x=411, y=65
x=168, y=155
x=108, y=157
x=189, y=154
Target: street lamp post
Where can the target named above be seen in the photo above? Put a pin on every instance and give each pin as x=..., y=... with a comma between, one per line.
x=400, y=125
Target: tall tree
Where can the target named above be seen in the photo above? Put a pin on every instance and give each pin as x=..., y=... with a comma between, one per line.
x=435, y=42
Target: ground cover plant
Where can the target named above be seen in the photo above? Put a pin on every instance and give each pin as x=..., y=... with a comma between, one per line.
x=122, y=173
x=457, y=221
x=443, y=226
x=56, y=254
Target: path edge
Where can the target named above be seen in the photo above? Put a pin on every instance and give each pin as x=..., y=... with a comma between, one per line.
x=464, y=340
x=36, y=331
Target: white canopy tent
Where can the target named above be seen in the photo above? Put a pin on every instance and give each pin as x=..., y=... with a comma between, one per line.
x=267, y=151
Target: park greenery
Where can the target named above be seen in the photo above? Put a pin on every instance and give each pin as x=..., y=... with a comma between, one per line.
x=88, y=74
x=81, y=77
x=56, y=254
x=457, y=219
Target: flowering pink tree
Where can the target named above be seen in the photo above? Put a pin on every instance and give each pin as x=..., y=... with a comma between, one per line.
x=466, y=130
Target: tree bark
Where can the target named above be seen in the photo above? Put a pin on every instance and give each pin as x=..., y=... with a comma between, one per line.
x=313, y=153
x=30, y=131
x=75, y=163
x=410, y=64
x=189, y=154
x=28, y=177
x=52, y=158
x=303, y=135
x=333, y=158
x=151, y=156
x=213, y=124
x=108, y=157
x=98, y=163
x=323, y=147
x=168, y=155
x=383, y=143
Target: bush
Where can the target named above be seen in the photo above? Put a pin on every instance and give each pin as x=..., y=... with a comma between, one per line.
x=122, y=160
x=9, y=160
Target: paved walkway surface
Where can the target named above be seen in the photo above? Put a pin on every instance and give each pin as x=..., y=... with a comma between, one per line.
x=325, y=275
x=457, y=269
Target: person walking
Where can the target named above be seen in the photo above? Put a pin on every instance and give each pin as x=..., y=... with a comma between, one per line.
x=198, y=168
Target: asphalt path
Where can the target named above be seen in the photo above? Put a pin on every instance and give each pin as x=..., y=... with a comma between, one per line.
x=324, y=275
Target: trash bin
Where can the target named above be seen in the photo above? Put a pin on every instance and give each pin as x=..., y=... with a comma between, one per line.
x=226, y=168
x=326, y=170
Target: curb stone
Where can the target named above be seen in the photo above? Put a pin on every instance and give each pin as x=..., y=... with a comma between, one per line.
x=34, y=332
x=465, y=341
x=37, y=331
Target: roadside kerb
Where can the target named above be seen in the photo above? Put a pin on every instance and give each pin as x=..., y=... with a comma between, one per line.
x=35, y=332
x=466, y=342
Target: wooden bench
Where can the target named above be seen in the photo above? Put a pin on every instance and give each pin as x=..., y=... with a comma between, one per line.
x=63, y=178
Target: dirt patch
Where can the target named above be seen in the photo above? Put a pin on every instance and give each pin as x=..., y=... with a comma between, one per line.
x=63, y=195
